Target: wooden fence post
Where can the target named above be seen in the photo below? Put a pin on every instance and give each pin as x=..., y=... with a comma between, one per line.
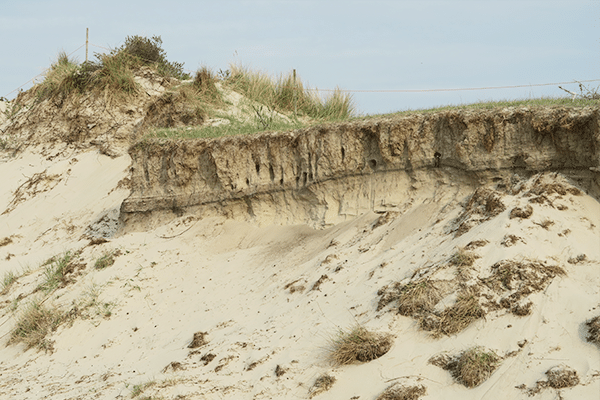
x=87, y=36
x=295, y=107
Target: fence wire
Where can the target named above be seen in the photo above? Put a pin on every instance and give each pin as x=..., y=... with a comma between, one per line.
x=367, y=90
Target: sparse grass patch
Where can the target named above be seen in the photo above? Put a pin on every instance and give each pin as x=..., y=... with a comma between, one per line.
x=7, y=281
x=322, y=384
x=34, y=323
x=358, y=344
x=465, y=311
x=107, y=259
x=57, y=270
x=489, y=105
x=546, y=223
x=401, y=392
x=137, y=390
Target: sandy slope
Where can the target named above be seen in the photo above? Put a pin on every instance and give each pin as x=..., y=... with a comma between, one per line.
x=248, y=287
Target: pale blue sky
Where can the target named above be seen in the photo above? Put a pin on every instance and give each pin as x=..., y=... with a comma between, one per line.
x=351, y=44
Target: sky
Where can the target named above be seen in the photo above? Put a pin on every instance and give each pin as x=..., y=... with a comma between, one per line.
x=354, y=45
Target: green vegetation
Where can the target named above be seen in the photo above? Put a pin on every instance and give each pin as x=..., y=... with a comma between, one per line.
x=474, y=366
x=286, y=94
x=107, y=259
x=110, y=73
x=490, y=105
x=7, y=281
x=55, y=272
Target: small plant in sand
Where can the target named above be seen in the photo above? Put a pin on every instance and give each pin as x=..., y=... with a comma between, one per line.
x=470, y=368
x=546, y=223
x=107, y=259
x=55, y=272
x=8, y=280
x=322, y=384
x=475, y=365
x=401, y=392
x=34, y=323
x=138, y=390
x=358, y=344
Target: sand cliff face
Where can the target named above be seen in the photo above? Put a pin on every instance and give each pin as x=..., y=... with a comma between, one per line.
x=324, y=174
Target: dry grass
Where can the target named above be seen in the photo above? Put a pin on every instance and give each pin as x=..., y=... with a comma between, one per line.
x=593, y=326
x=465, y=311
x=560, y=377
x=34, y=324
x=475, y=366
x=522, y=213
x=400, y=392
x=546, y=223
x=322, y=384
x=418, y=297
x=475, y=244
x=483, y=205
x=358, y=344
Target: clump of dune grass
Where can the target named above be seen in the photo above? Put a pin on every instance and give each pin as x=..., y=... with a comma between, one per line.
x=401, y=392
x=418, y=297
x=111, y=73
x=34, y=324
x=8, y=280
x=463, y=313
x=55, y=273
x=286, y=94
x=471, y=367
x=322, y=384
x=358, y=344
x=562, y=376
x=475, y=366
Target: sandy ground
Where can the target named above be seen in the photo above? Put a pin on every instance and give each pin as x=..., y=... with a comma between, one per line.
x=249, y=289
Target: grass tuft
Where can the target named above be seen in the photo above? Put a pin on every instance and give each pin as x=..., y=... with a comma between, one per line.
x=400, y=392
x=358, y=344
x=55, y=272
x=8, y=280
x=465, y=311
x=285, y=94
x=322, y=384
x=34, y=323
x=475, y=366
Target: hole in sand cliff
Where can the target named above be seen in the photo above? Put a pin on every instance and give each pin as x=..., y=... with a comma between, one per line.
x=271, y=173
x=373, y=164
x=343, y=153
x=247, y=182
x=257, y=168
x=304, y=178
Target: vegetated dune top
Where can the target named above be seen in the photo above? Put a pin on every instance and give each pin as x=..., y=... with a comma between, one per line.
x=194, y=271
